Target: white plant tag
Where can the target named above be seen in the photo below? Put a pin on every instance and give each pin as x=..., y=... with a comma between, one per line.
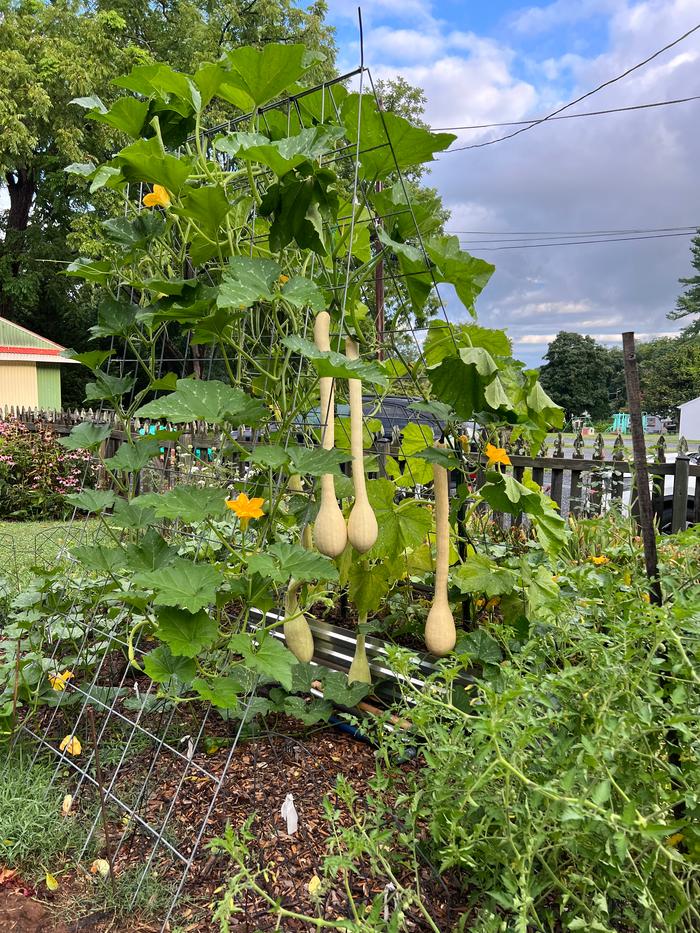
x=289, y=813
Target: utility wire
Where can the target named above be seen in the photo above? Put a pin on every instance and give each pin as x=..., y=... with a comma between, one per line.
x=541, y=234
x=567, y=116
x=524, y=129
x=690, y=231
x=656, y=236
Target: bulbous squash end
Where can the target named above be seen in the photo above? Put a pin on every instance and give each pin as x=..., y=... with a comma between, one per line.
x=440, y=630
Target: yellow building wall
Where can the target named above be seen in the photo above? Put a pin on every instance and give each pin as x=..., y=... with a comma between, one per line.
x=18, y=384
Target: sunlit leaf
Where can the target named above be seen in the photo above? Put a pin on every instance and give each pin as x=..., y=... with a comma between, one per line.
x=92, y=500
x=199, y=400
x=256, y=76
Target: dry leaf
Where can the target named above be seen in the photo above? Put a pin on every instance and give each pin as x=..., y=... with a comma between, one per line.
x=51, y=882
x=67, y=804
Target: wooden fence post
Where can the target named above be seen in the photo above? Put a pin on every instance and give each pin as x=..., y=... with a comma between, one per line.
x=646, y=520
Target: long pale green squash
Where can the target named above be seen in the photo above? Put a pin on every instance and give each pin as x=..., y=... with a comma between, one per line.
x=359, y=668
x=297, y=633
x=330, y=534
x=362, y=523
x=440, y=631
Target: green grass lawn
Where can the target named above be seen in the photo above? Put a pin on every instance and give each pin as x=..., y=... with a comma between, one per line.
x=24, y=545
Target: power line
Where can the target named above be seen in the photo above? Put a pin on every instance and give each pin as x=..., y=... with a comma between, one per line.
x=524, y=129
x=656, y=236
x=568, y=116
x=508, y=235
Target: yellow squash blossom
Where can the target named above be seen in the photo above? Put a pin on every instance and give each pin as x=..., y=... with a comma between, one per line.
x=598, y=560
x=496, y=455
x=284, y=279
x=245, y=508
x=159, y=197
x=60, y=681
x=71, y=744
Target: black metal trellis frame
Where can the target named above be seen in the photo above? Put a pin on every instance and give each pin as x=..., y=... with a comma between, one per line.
x=135, y=722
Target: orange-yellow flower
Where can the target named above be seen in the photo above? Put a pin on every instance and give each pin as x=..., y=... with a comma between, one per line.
x=245, y=508
x=159, y=197
x=496, y=455
x=284, y=279
x=71, y=744
x=600, y=559
x=60, y=681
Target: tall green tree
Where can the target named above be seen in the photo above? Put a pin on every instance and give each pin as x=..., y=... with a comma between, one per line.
x=688, y=302
x=669, y=372
x=579, y=375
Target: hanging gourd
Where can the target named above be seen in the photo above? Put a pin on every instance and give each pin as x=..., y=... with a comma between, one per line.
x=330, y=534
x=362, y=524
x=440, y=631
x=359, y=669
x=295, y=485
x=297, y=632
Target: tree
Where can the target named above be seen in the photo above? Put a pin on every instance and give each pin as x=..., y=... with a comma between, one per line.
x=579, y=374
x=53, y=52
x=689, y=301
x=669, y=371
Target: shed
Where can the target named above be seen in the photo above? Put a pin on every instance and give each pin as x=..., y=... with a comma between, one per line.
x=690, y=420
x=30, y=374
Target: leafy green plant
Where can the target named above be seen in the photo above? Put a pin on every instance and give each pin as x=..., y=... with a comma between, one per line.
x=36, y=473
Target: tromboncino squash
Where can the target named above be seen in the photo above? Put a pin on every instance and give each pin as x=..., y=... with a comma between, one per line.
x=297, y=633
x=330, y=534
x=440, y=631
x=362, y=523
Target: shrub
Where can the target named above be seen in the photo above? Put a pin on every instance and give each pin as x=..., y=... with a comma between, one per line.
x=36, y=472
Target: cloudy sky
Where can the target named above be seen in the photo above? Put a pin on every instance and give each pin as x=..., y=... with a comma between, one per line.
x=484, y=61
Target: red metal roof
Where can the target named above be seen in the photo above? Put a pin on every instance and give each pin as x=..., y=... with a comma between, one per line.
x=35, y=351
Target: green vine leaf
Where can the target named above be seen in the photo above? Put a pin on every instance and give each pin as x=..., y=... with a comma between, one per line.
x=480, y=574
x=222, y=692
x=270, y=658
x=246, y=280
x=186, y=633
x=303, y=293
x=132, y=514
x=299, y=205
x=149, y=554
x=100, y=558
x=368, y=584
x=388, y=140
x=401, y=527
x=283, y=561
x=107, y=386
x=162, y=666
x=92, y=500
x=281, y=155
x=256, y=76
x=186, y=503
x=481, y=646
x=146, y=160
x=196, y=400
x=86, y=436
x=337, y=365
x=315, y=461
x=182, y=583
x=130, y=458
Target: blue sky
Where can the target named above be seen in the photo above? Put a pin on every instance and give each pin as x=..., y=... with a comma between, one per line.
x=483, y=61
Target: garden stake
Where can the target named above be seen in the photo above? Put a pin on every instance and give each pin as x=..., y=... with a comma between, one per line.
x=330, y=533
x=103, y=806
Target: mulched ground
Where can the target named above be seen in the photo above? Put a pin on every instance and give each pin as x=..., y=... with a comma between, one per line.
x=262, y=771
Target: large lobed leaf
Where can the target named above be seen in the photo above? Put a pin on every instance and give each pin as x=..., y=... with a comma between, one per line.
x=214, y=401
